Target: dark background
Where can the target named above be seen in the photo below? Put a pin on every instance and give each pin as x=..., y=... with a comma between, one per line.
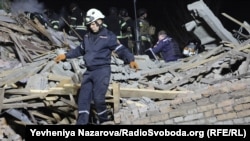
x=169, y=15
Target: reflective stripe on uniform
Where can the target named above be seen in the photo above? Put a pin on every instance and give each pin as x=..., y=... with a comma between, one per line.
x=102, y=112
x=144, y=38
x=118, y=47
x=82, y=47
x=124, y=36
x=53, y=22
x=105, y=25
x=119, y=37
x=81, y=27
x=55, y=26
x=73, y=18
x=123, y=24
x=84, y=111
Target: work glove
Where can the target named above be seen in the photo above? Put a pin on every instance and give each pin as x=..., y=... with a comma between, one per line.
x=60, y=57
x=133, y=65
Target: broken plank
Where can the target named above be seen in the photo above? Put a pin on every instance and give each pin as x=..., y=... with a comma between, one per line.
x=69, y=102
x=38, y=114
x=51, y=91
x=39, y=27
x=133, y=92
x=20, y=47
x=21, y=98
x=56, y=117
x=15, y=27
x=190, y=66
x=48, y=66
x=21, y=105
x=4, y=38
x=1, y=98
x=20, y=55
x=55, y=91
x=116, y=96
x=21, y=73
x=236, y=21
x=32, y=105
x=154, y=94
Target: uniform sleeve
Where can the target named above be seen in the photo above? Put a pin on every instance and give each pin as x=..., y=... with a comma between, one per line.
x=158, y=48
x=113, y=42
x=78, y=51
x=124, y=54
x=122, y=51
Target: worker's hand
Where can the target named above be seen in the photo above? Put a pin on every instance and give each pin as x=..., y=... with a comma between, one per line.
x=60, y=57
x=133, y=65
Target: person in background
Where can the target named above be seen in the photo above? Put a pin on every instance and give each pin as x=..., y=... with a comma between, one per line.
x=37, y=15
x=96, y=49
x=128, y=33
x=116, y=24
x=167, y=47
x=76, y=20
x=193, y=47
x=146, y=30
x=53, y=19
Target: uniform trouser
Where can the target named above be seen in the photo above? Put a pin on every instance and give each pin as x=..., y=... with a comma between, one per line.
x=94, y=87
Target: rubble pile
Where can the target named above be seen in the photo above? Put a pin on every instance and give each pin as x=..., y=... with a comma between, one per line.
x=36, y=90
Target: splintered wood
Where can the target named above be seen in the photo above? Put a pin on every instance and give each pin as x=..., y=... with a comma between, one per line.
x=7, y=133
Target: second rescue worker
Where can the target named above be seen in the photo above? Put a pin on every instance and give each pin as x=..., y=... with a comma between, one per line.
x=76, y=20
x=96, y=50
x=146, y=30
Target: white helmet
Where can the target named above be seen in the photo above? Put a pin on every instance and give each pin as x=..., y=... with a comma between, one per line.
x=93, y=15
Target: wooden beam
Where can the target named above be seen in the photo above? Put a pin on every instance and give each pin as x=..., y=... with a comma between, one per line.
x=51, y=91
x=116, y=96
x=133, y=92
x=21, y=73
x=21, y=98
x=236, y=21
x=1, y=98
x=39, y=27
x=33, y=105
x=15, y=27
x=38, y=114
x=21, y=105
x=154, y=94
x=69, y=102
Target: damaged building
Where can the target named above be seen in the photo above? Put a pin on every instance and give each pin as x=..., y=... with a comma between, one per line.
x=211, y=87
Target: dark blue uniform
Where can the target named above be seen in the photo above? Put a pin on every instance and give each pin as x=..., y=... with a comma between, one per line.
x=96, y=50
x=168, y=48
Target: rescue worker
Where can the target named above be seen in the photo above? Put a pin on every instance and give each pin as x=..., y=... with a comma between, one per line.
x=36, y=15
x=116, y=24
x=167, y=47
x=192, y=48
x=76, y=20
x=127, y=35
x=145, y=29
x=96, y=49
x=53, y=19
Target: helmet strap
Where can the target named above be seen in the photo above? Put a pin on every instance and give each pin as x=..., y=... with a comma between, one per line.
x=100, y=25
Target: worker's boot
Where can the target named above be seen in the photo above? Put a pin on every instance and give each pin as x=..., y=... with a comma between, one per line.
x=82, y=119
x=106, y=118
